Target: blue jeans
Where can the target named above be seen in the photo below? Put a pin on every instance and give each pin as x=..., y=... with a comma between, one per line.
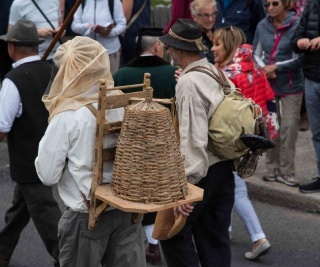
x=312, y=96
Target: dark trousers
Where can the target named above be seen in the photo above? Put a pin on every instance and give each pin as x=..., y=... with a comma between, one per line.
x=33, y=200
x=207, y=224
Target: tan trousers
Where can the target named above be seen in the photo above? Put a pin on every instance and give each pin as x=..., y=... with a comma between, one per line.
x=282, y=156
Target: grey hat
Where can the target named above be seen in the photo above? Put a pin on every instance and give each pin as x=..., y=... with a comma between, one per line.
x=23, y=33
x=185, y=34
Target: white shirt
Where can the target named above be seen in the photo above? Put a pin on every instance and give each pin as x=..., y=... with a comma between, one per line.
x=71, y=135
x=197, y=97
x=10, y=101
x=97, y=12
x=25, y=9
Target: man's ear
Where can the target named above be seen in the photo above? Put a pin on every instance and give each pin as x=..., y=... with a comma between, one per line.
x=156, y=47
x=11, y=48
x=159, y=49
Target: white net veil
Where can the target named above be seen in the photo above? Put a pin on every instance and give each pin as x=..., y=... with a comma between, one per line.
x=78, y=65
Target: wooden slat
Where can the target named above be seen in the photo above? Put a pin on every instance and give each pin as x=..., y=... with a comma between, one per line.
x=158, y=100
x=98, y=151
x=117, y=101
x=104, y=193
x=125, y=87
x=112, y=127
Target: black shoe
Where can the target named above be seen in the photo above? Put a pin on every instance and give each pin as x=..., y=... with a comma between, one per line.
x=312, y=187
x=153, y=253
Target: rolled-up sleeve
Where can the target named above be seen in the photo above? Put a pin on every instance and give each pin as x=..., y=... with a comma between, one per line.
x=10, y=105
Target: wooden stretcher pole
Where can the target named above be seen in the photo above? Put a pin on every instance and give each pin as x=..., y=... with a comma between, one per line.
x=62, y=28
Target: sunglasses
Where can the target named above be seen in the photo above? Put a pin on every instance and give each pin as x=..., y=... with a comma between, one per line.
x=268, y=4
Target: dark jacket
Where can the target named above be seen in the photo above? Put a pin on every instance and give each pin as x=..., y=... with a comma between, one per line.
x=309, y=28
x=244, y=14
x=31, y=80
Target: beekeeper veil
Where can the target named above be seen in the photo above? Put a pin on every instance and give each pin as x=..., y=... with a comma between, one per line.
x=78, y=65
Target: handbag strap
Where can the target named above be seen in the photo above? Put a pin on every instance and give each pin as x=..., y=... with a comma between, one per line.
x=136, y=15
x=44, y=15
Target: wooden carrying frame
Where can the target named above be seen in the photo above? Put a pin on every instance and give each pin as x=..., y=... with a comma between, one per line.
x=101, y=195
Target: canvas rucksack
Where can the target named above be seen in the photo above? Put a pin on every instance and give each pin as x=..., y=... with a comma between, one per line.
x=234, y=116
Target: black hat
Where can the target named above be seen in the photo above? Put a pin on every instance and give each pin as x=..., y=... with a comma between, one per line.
x=23, y=33
x=147, y=31
x=150, y=31
x=185, y=34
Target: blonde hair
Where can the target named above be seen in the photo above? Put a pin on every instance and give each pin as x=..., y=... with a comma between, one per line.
x=231, y=37
x=198, y=5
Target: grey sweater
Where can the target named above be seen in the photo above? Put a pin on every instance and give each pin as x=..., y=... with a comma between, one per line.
x=273, y=46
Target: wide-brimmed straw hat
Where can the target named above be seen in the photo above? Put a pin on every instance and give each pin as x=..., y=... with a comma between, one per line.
x=23, y=33
x=185, y=34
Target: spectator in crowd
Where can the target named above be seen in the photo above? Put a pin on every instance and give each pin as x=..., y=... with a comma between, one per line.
x=138, y=15
x=303, y=124
x=299, y=5
x=45, y=14
x=94, y=19
x=5, y=60
x=197, y=96
x=163, y=83
x=116, y=241
x=68, y=5
x=179, y=9
x=204, y=12
x=274, y=54
x=236, y=59
x=243, y=14
x=24, y=119
x=307, y=41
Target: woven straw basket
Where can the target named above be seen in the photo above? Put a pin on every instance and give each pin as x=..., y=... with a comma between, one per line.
x=148, y=165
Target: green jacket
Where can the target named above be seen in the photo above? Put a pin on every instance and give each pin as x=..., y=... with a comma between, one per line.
x=162, y=75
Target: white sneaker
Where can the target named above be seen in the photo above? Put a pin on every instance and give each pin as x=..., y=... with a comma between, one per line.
x=288, y=180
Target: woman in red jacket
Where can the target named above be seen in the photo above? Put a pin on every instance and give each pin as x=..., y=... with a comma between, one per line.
x=236, y=59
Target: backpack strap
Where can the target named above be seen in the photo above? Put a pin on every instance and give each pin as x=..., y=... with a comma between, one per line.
x=93, y=110
x=220, y=78
x=111, y=8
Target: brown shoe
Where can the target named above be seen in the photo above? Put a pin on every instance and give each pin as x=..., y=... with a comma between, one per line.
x=153, y=253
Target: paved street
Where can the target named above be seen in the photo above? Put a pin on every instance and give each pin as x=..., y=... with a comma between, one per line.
x=294, y=235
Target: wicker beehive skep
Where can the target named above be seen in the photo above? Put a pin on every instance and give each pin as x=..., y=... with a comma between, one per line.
x=148, y=165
